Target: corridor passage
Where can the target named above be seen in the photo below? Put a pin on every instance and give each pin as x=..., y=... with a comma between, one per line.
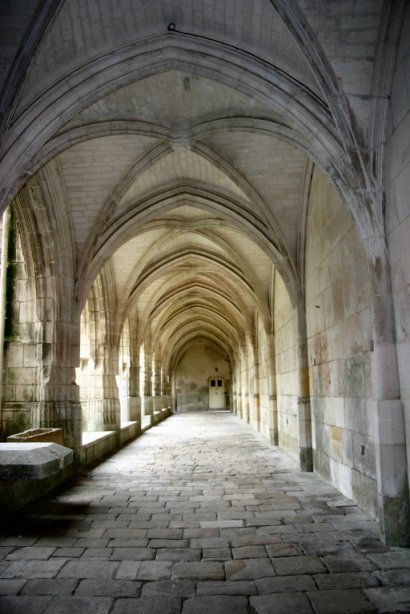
x=199, y=515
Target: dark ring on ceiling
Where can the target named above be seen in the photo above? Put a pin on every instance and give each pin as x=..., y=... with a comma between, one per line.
x=171, y=27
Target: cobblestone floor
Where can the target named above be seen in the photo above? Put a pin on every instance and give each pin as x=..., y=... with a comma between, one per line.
x=198, y=516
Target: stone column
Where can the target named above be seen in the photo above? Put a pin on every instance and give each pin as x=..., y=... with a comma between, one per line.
x=148, y=405
x=156, y=385
x=134, y=401
x=304, y=410
x=390, y=442
x=103, y=410
x=256, y=389
x=59, y=397
x=273, y=399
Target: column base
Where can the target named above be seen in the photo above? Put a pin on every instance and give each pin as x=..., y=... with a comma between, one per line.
x=394, y=517
x=306, y=459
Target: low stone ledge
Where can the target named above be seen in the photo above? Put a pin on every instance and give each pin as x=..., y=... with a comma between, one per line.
x=49, y=435
x=97, y=445
x=29, y=471
x=32, y=461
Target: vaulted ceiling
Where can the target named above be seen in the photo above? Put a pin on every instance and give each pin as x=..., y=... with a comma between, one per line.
x=182, y=151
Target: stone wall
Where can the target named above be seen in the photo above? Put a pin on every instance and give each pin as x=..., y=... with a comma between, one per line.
x=339, y=332
x=398, y=211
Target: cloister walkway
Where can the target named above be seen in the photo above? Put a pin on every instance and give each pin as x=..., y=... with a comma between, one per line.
x=198, y=515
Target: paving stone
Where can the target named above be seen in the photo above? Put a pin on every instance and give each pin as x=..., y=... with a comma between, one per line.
x=69, y=552
x=41, y=569
x=178, y=554
x=209, y=542
x=130, y=534
x=199, y=571
x=273, y=529
x=19, y=604
x=154, y=570
x=249, y=552
x=281, y=550
x=177, y=588
x=108, y=588
x=200, y=533
x=249, y=569
x=345, y=580
x=234, y=514
x=216, y=554
x=394, y=577
x=31, y=553
x=17, y=541
x=285, y=584
x=244, y=587
x=159, y=604
x=49, y=587
x=269, y=521
x=253, y=540
x=165, y=533
x=348, y=562
x=298, y=565
x=367, y=545
x=220, y=524
x=396, y=559
x=389, y=599
x=11, y=587
x=97, y=553
x=323, y=548
x=133, y=554
x=89, y=569
x=85, y=542
x=161, y=523
x=128, y=570
x=346, y=601
x=55, y=541
x=220, y=604
x=168, y=543
x=4, y=551
x=85, y=605
x=281, y=603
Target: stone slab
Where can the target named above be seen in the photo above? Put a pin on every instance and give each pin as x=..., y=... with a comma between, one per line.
x=28, y=605
x=159, y=604
x=281, y=604
x=220, y=604
x=32, y=461
x=199, y=571
x=345, y=601
x=389, y=599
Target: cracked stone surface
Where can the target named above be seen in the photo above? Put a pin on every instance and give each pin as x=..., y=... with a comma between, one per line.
x=199, y=514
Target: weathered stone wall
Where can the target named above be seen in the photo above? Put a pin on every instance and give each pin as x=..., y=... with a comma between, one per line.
x=339, y=332
x=194, y=369
x=285, y=321
x=22, y=352
x=398, y=211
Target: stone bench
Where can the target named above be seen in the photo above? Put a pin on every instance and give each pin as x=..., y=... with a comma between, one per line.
x=32, y=461
x=29, y=471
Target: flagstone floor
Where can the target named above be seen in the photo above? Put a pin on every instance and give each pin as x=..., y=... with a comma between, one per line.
x=199, y=515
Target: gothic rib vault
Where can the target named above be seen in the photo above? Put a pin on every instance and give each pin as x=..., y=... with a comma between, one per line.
x=202, y=190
